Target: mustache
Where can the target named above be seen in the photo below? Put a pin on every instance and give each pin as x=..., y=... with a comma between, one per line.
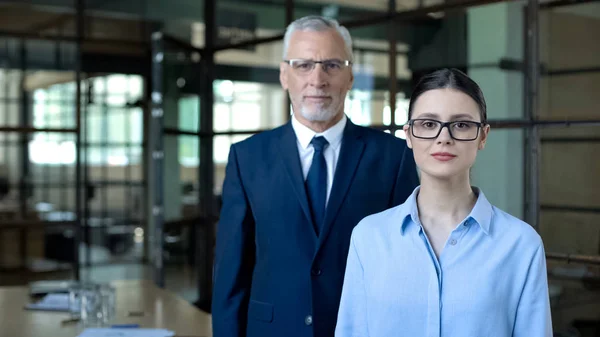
x=317, y=93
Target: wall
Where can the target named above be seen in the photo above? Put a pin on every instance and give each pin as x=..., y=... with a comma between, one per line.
x=570, y=170
x=495, y=32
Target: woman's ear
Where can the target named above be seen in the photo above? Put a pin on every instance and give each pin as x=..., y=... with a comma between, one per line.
x=406, y=129
x=485, y=130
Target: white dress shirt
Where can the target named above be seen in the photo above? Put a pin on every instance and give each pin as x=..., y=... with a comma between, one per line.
x=331, y=153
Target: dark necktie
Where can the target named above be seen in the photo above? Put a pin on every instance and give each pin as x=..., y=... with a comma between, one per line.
x=316, y=182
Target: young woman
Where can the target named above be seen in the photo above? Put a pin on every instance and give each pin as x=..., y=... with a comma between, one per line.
x=446, y=263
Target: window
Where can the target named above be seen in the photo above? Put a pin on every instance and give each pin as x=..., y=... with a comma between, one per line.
x=358, y=106
x=401, y=114
x=244, y=106
x=188, y=119
x=113, y=127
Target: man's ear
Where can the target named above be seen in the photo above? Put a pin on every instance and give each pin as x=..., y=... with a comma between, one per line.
x=283, y=77
x=351, y=81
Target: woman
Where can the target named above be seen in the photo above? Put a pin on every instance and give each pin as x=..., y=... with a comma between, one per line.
x=445, y=263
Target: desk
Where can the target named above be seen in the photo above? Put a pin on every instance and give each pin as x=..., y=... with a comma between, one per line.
x=162, y=309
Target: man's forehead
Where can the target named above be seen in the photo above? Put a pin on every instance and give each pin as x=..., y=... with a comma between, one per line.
x=331, y=35
x=322, y=44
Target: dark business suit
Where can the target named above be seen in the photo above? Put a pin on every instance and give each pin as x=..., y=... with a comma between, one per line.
x=274, y=276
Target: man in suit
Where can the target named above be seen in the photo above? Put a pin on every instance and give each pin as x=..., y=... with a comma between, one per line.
x=292, y=196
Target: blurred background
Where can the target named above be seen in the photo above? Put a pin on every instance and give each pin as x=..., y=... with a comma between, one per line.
x=116, y=118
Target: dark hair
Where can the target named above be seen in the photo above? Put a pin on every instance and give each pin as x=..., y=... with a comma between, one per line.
x=451, y=79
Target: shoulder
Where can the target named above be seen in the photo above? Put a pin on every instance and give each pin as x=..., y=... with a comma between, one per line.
x=515, y=229
x=261, y=138
x=379, y=226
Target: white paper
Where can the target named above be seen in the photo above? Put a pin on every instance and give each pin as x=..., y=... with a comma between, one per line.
x=132, y=332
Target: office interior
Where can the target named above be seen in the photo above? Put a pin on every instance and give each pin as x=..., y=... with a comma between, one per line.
x=116, y=119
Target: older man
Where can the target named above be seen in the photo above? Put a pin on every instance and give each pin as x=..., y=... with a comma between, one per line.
x=292, y=196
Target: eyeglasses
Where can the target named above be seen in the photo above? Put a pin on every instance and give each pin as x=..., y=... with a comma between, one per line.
x=305, y=67
x=431, y=129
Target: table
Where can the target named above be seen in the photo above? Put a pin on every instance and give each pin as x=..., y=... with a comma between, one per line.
x=161, y=309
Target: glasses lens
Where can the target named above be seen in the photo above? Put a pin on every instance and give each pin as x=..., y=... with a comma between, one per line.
x=425, y=128
x=302, y=66
x=464, y=130
x=333, y=66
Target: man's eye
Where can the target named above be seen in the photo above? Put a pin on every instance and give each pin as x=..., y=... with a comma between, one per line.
x=303, y=65
x=333, y=65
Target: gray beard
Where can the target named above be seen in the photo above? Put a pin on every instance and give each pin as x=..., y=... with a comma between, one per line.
x=320, y=116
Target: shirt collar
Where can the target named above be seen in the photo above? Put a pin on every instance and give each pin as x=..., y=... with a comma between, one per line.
x=333, y=134
x=481, y=213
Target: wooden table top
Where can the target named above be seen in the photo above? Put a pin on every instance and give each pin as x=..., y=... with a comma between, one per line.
x=161, y=309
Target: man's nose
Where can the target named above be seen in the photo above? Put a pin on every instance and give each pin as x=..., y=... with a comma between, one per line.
x=318, y=77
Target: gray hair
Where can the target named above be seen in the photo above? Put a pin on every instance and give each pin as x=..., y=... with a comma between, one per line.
x=317, y=24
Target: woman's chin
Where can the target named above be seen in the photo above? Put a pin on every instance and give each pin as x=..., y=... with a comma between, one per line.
x=443, y=173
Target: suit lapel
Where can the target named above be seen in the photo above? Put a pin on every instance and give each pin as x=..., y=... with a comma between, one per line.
x=350, y=154
x=291, y=160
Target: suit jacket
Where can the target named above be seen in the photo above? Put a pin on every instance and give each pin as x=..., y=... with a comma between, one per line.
x=273, y=276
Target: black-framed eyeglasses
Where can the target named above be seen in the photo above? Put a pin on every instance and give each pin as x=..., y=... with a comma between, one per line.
x=331, y=67
x=431, y=129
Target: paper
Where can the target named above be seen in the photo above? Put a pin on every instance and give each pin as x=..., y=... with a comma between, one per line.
x=48, y=287
x=110, y=332
x=51, y=302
